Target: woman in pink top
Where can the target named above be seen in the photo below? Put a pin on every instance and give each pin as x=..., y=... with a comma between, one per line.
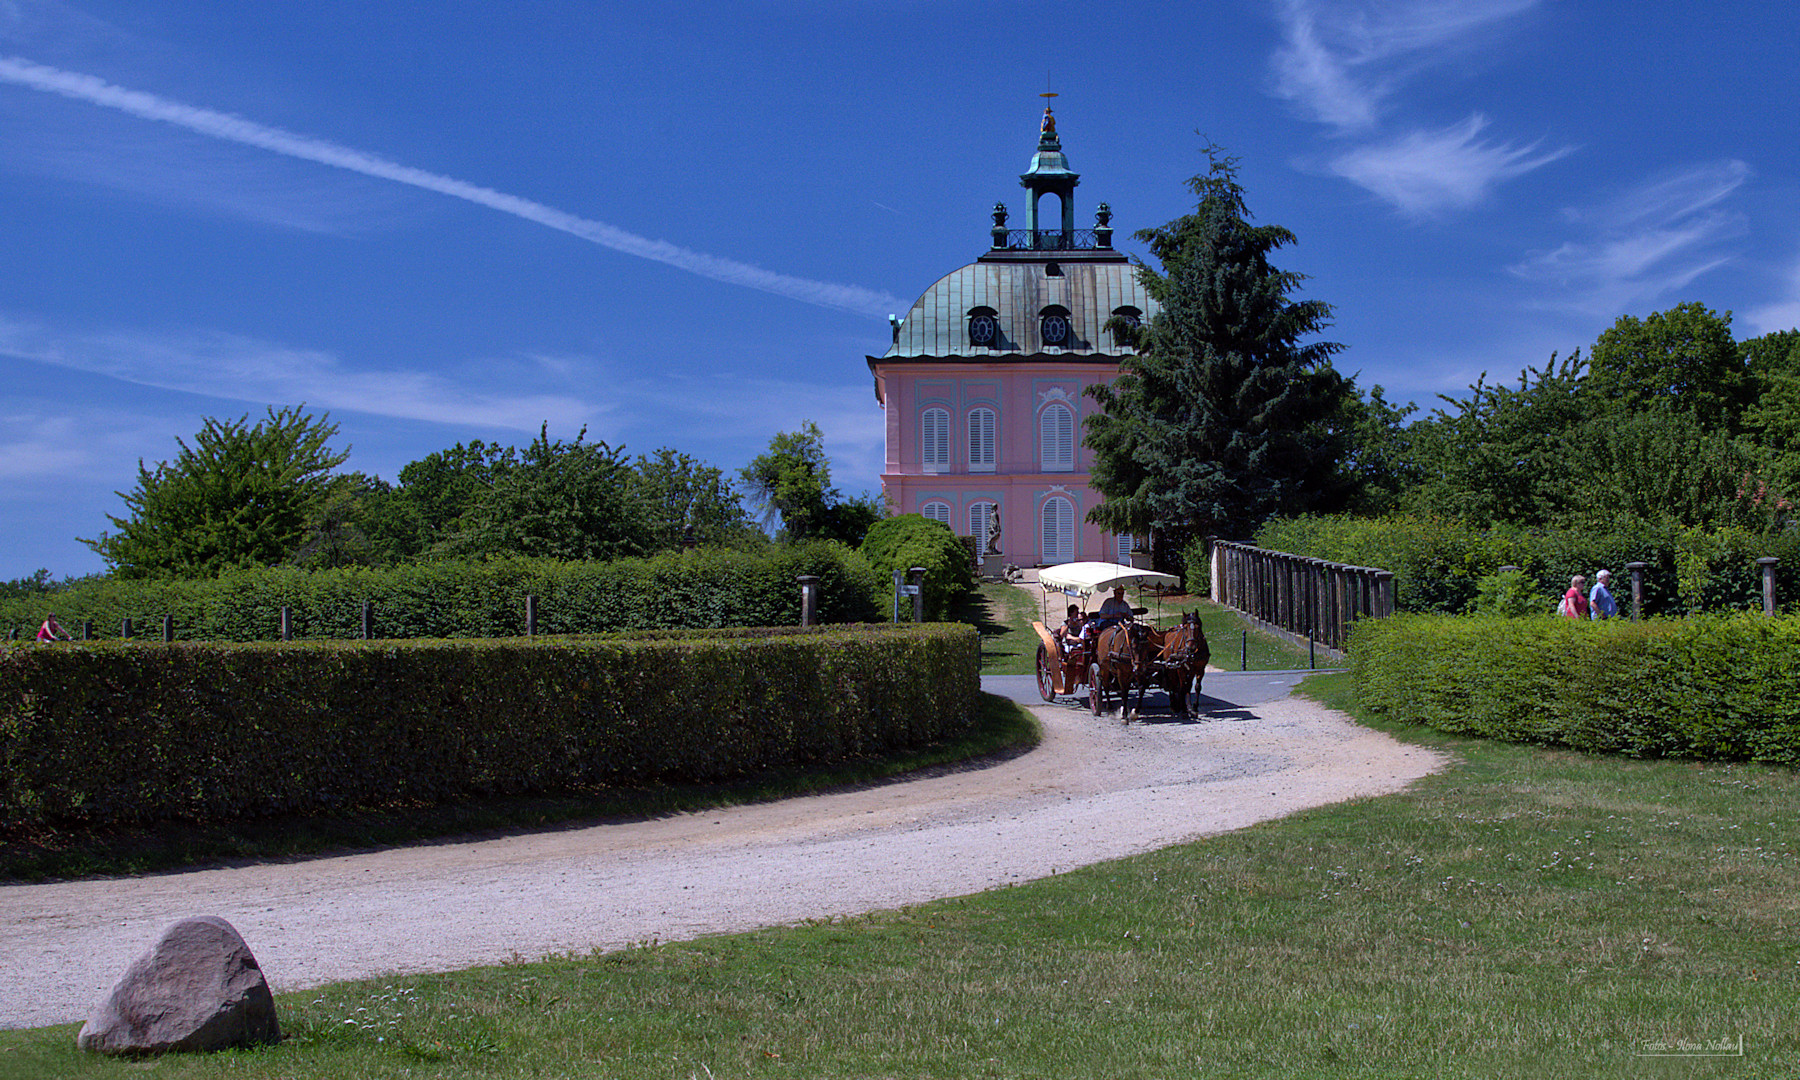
x=1575, y=601
x=52, y=630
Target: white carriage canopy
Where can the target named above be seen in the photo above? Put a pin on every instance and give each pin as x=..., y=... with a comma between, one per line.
x=1086, y=578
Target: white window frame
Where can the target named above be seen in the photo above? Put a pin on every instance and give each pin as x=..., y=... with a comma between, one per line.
x=984, y=439
x=934, y=440
x=1056, y=447
x=936, y=510
x=1056, y=529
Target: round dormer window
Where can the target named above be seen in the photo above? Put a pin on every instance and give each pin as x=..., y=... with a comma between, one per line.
x=1056, y=330
x=982, y=330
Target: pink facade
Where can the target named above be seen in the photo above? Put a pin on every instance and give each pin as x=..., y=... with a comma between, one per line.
x=984, y=388
x=1036, y=477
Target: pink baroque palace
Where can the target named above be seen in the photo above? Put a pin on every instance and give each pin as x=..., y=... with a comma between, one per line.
x=983, y=390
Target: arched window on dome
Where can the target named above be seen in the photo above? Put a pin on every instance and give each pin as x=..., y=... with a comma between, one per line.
x=1055, y=328
x=982, y=433
x=1134, y=320
x=984, y=328
x=1056, y=438
x=936, y=511
x=934, y=440
x=1058, y=518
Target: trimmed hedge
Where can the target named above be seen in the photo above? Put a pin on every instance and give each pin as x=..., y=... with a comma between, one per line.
x=705, y=587
x=1722, y=686
x=110, y=733
x=1438, y=563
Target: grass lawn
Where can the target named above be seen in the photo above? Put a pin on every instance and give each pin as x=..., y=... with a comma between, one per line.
x=1527, y=913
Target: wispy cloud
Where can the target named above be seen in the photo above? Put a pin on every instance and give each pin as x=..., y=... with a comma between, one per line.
x=1647, y=242
x=1782, y=313
x=1339, y=61
x=95, y=91
x=242, y=369
x=46, y=444
x=1427, y=172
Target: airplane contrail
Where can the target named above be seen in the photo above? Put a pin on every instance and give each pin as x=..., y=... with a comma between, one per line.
x=236, y=129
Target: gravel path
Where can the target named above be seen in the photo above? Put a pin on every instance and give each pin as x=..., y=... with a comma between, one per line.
x=1094, y=790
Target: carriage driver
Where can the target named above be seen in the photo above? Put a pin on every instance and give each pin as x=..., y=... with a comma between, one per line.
x=1115, y=610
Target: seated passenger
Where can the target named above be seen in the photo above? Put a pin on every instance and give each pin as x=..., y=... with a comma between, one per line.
x=1074, y=629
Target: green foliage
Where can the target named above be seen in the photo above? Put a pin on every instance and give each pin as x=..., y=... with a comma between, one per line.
x=1682, y=360
x=908, y=540
x=1437, y=562
x=1509, y=594
x=1710, y=687
x=1227, y=417
x=1379, y=463
x=114, y=733
x=1773, y=417
x=560, y=500
x=689, y=502
x=37, y=584
x=240, y=496
x=1497, y=455
x=792, y=484
x=705, y=587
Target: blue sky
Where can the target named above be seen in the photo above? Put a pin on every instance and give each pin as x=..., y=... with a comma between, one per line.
x=685, y=224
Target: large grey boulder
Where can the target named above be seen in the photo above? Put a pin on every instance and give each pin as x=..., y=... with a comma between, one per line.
x=198, y=988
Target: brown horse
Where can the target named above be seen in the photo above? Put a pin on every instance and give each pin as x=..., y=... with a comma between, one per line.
x=1116, y=664
x=1181, y=662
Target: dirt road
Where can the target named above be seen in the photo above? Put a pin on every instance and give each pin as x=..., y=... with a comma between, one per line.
x=1094, y=790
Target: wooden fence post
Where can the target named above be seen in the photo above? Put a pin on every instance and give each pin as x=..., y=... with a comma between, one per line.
x=1767, y=562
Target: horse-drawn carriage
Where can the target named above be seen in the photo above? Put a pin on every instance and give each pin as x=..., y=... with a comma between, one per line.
x=1123, y=657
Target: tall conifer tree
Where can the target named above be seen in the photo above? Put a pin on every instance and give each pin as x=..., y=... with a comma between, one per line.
x=1227, y=416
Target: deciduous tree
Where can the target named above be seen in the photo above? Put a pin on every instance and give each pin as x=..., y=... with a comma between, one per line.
x=241, y=495
x=792, y=483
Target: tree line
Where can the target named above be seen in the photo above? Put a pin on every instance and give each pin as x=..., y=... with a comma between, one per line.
x=1231, y=415
x=269, y=493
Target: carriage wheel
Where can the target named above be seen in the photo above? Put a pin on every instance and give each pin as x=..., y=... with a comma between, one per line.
x=1046, y=674
x=1096, y=699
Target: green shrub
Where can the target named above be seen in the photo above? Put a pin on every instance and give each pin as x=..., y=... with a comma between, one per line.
x=111, y=733
x=908, y=540
x=1438, y=563
x=705, y=587
x=1722, y=686
x=1509, y=594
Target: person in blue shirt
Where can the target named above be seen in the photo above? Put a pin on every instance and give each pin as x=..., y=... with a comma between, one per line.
x=1601, y=604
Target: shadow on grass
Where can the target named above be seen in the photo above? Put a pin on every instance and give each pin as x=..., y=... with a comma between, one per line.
x=1002, y=730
